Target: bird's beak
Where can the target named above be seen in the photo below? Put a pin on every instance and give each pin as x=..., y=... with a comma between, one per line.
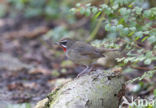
x=57, y=43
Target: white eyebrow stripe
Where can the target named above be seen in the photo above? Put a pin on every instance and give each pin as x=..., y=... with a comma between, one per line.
x=64, y=46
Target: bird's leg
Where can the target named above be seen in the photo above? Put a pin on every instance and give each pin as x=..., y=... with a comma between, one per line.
x=86, y=70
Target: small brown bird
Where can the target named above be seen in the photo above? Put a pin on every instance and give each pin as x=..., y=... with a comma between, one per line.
x=82, y=53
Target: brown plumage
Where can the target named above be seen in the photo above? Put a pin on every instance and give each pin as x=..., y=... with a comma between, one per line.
x=80, y=52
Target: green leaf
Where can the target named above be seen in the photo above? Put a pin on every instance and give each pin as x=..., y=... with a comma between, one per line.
x=115, y=6
x=152, y=39
x=126, y=61
x=154, y=92
x=107, y=27
x=94, y=10
x=144, y=38
x=103, y=6
x=125, y=2
x=113, y=28
x=108, y=11
x=125, y=31
x=73, y=10
x=147, y=13
x=149, y=54
x=130, y=6
x=78, y=4
x=31, y=12
x=119, y=27
x=82, y=10
x=139, y=34
x=123, y=11
x=148, y=61
x=88, y=12
x=133, y=29
x=131, y=33
x=138, y=10
x=128, y=11
x=88, y=4
x=146, y=32
x=121, y=2
x=121, y=21
x=98, y=14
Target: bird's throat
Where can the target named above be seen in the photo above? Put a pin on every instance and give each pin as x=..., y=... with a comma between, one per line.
x=64, y=49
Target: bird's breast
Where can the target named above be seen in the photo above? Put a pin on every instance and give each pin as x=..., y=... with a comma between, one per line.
x=77, y=58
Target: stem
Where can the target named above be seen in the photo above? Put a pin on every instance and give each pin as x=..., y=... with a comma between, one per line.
x=93, y=34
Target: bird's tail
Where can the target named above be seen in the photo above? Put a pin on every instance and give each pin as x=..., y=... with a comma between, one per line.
x=103, y=50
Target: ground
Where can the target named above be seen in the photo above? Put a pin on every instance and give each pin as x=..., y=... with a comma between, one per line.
x=31, y=67
x=26, y=64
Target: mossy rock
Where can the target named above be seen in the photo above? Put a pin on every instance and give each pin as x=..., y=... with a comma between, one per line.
x=98, y=89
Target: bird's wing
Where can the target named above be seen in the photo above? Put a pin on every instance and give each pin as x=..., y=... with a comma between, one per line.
x=87, y=50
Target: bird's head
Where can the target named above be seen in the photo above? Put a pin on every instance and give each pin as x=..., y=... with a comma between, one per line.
x=66, y=43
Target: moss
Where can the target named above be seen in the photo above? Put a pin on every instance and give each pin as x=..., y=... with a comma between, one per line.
x=52, y=96
x=93, y=90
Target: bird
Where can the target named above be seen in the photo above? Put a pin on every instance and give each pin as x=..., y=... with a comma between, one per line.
x=82, y=53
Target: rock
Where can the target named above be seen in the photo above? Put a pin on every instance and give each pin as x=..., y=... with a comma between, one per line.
x=98, y=89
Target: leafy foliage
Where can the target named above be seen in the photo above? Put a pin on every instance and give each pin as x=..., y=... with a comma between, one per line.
x=127, y=20
x=57, y=33
x=37, y=8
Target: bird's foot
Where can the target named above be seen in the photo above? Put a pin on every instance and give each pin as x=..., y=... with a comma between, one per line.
x=87, y=70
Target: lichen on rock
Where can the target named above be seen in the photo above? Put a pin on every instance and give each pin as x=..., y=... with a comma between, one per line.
x=98, y=89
